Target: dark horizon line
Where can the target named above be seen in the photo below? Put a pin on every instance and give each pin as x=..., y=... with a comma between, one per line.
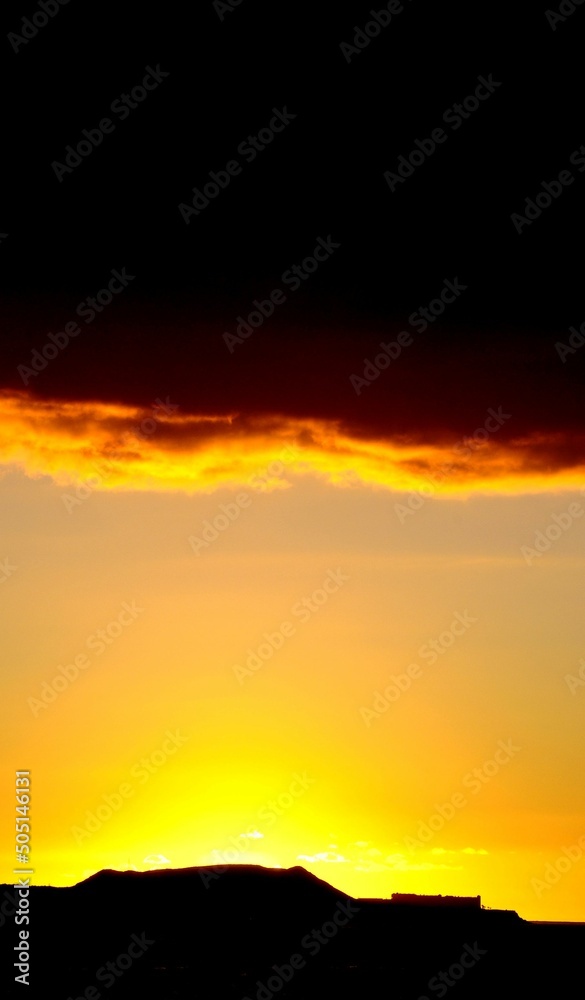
x=299, y=870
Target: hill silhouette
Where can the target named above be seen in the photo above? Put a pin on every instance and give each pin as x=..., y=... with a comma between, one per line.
x=243, y=931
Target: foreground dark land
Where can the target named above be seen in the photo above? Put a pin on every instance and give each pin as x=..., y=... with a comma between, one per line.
x=258, y=933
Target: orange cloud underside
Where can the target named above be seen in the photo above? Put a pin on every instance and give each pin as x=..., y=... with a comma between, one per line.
x=123, y=447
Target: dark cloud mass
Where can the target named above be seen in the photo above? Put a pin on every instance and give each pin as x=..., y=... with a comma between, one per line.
x=348, y=119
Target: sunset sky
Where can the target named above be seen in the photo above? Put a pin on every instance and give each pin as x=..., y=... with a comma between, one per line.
x=310, y=594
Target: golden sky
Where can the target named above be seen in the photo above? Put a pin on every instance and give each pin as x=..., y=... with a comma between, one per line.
x=274, y=639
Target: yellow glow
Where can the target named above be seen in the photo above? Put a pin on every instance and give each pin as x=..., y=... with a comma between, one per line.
x=281, y=768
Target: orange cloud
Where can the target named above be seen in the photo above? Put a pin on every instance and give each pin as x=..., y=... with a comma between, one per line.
x=119, y=447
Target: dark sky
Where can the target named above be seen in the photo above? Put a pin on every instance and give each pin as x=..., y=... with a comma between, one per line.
x=321, y=176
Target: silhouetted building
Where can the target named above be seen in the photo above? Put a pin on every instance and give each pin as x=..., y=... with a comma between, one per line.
x=414, y=900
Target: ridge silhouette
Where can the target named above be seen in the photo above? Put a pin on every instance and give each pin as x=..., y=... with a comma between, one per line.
x=244, y=931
